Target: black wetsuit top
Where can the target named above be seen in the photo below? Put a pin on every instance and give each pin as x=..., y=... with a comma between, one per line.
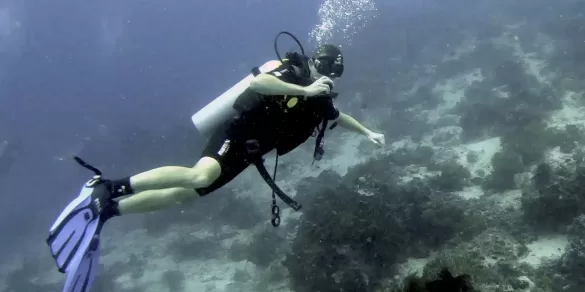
x=286, y=122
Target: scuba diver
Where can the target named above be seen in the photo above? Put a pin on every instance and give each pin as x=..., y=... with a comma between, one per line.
x=277, y=107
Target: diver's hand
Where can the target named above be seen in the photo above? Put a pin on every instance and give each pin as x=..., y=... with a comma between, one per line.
x=377, y=138
x=322, y=86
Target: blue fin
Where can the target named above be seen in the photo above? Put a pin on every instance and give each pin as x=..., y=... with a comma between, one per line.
x=81, y=274
x=73, y=231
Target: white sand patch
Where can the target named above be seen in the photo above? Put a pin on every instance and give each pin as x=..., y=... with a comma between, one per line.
x=404, y=143
x=534, y=66
x=287, y=215
x=444, y=136
x=484, y=151
x=573, y=112
x=416, y=172
x=549, y=247
x=413, y=266
x=452, y=91
x=531, y=284
x=509, y=199
x=555, y=158
x=469, y=193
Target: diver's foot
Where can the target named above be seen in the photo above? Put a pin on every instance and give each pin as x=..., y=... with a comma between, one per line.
x=81, y=221
x=102, y=199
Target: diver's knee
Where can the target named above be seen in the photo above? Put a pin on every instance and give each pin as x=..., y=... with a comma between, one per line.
x=205, y=172
x=199, y=179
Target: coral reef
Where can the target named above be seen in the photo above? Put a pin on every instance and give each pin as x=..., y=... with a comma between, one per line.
x=506, y=164
x=573, y=261
x=447, y=136
x=354, y=229
x=263, y=249
x=445, y=282
x=530, y=141
x=554, y=198
x=174, y=279
x=491, y=260
x=453, y=177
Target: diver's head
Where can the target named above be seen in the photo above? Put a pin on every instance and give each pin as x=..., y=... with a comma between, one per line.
x=326, y=61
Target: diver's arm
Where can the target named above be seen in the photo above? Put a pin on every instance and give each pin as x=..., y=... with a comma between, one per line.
x=266, y=84
x=348, y=122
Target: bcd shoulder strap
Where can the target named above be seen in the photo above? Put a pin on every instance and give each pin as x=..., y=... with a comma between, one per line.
x=253, y=146
x=259, y=163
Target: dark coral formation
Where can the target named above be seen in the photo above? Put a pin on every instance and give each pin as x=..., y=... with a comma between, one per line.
x=445, y=282
x=355, y=228
x=174, y=280
x=573, y=261
x=453, y=177
x=525, y=147
x=554, y=198
x=504, y=102
x=505, y=164
x=512, y=105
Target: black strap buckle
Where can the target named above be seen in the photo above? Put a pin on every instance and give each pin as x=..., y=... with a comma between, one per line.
x=275, y=214
x=253, y=150
x=319, y=149
x=253, y=147
x=256, y=71
x=276, y=191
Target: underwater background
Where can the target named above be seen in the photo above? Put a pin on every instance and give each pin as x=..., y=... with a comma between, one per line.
x=482, y=104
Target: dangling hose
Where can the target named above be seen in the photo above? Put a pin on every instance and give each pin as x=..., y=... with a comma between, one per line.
x=292, y=36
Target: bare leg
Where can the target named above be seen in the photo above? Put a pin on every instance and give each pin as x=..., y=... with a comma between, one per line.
x=205, y=172
x=169, y=185
x=153, y=200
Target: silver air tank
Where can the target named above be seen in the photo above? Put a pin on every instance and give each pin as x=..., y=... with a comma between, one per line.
x=218, y=111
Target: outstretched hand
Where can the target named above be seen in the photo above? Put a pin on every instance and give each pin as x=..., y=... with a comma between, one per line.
x=377, y=138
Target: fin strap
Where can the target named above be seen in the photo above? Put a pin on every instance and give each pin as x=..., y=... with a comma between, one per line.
x=87, y=165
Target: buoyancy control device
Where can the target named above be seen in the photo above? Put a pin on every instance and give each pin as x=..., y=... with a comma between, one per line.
x=227, y=106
